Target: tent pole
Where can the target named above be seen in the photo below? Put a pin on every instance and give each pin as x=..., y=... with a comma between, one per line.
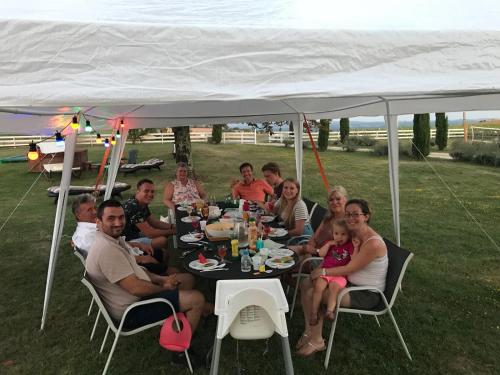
x=298, y=132
x=114, y=163
x=393, y=148
x=69, y=154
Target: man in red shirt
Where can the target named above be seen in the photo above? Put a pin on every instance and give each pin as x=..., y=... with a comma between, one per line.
x=250, y=188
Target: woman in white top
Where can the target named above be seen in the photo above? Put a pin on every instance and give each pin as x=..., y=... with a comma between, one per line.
x=293, y=210
x=182, y=189
x=368, y=267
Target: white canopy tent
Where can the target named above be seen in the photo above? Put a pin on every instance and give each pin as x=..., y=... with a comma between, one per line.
x=158, y=64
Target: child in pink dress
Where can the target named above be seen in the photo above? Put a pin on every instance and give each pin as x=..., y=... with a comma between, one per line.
x=335, y=253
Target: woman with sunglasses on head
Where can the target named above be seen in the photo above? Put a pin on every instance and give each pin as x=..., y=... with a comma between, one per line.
x=369, y=267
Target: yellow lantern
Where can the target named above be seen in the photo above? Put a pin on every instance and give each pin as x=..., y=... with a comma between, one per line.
x=33, y=152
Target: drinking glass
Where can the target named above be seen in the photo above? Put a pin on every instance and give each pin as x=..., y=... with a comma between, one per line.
x=221, y=252
x=195, y=223
x=267, y=230
x=205, y=211
x=189, y=210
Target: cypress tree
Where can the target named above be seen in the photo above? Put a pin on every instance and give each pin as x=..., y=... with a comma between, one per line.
x=344, y=129
x=217, y=134
x=441, y=130
x=323, y=135
x=421, y=135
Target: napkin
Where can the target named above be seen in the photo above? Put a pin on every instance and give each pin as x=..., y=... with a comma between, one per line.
x=270, y=244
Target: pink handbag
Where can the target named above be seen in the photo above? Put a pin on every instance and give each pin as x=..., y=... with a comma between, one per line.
x=172, y=340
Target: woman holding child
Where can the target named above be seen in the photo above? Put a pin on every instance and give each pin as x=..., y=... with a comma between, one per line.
x=368, y=266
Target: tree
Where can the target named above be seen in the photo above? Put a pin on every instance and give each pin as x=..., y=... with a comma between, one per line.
x=324, y=133
x=441, y=130
x=217, y=134
x=344, y=129
x=183, y=145
x=136, y=134
x=421, y=135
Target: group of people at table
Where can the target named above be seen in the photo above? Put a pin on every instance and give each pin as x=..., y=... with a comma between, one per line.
x=127, y=259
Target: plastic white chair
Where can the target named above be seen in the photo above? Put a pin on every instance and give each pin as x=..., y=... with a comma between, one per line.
x=118, y=328
x=250, y=310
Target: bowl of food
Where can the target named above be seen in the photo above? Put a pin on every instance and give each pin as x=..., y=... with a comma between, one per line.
x=219, y=229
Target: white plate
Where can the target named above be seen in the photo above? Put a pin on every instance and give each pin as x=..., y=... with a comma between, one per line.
x=192, y=237
x=189, y=219
x=280, y=253
x=267, y=218
x=274, y=262
x=278, y=232
x=182, y=208
x=196, y=265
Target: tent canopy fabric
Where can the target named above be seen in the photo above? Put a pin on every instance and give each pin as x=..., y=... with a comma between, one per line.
x=163, y=64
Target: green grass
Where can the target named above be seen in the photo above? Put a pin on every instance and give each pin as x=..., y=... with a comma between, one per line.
x=448, y=311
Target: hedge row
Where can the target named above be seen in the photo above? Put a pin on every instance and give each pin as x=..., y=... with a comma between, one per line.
x=479, y=153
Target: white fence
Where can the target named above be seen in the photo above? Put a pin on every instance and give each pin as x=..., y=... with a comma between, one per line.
x=248, y=137
x=279, y=137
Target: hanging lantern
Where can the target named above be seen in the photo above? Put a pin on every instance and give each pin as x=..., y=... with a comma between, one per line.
x=113, y=140
x=98, y=139
x=118, y=135
x=74, y=123
x=88, y=127
x=33, y=152
x=59, y=139
x=106, y=142
x=122, y=125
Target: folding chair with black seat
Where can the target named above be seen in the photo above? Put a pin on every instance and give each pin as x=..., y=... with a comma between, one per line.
x=398, y=261
x=117, y=326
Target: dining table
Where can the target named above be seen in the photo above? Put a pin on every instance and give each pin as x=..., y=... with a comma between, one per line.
x=229, y=267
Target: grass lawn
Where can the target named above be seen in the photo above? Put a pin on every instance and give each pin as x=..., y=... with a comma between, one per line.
x=448, y=311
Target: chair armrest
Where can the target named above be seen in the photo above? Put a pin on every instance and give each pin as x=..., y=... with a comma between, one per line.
x=298, y=239
x=344, y=291
x=147, y=302
x=308, y=260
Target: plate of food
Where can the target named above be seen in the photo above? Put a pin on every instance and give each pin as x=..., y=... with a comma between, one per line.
x=280, y=252
x=192, y=237
x=280, y=262
x=267, y=218
x=278, y=232
x=197, y=265
x=190, y=219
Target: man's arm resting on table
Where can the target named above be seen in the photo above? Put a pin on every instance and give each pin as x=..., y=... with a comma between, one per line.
x=158, y=224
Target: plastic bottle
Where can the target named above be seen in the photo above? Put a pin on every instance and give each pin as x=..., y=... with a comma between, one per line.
x=246, y=262
x=259, y=244
x=252, y=234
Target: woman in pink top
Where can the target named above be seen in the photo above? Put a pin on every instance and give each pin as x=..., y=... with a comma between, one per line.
x=182, y=189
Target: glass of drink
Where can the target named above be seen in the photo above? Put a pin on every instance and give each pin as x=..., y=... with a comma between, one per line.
x=205, y=211
x=267, y=230
x=221, y=252
x=189, y=210
x=195, y=223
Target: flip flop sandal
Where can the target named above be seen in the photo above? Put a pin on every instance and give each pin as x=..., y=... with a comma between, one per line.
x=311, y=348
x=302, y=341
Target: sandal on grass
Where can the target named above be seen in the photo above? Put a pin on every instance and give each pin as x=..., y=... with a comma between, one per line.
x=310, y=348
x=302, y=341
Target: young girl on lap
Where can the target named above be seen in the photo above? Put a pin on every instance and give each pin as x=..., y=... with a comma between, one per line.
x=336, y=252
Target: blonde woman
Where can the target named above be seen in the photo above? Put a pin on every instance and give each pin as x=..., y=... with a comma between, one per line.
x=292, y=210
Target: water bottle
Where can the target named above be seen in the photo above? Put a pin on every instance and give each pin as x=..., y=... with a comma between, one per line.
x=246, y=262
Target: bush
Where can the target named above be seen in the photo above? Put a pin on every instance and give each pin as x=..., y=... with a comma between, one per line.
x=421, y=135
x=216, y=134
x=349, y=145
x=363, y=141
x=479, y=153
x=382, y=148
x=344, y=129
x=441, y=130
x=306, y=145
x=324, y=132
x=287, y=141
